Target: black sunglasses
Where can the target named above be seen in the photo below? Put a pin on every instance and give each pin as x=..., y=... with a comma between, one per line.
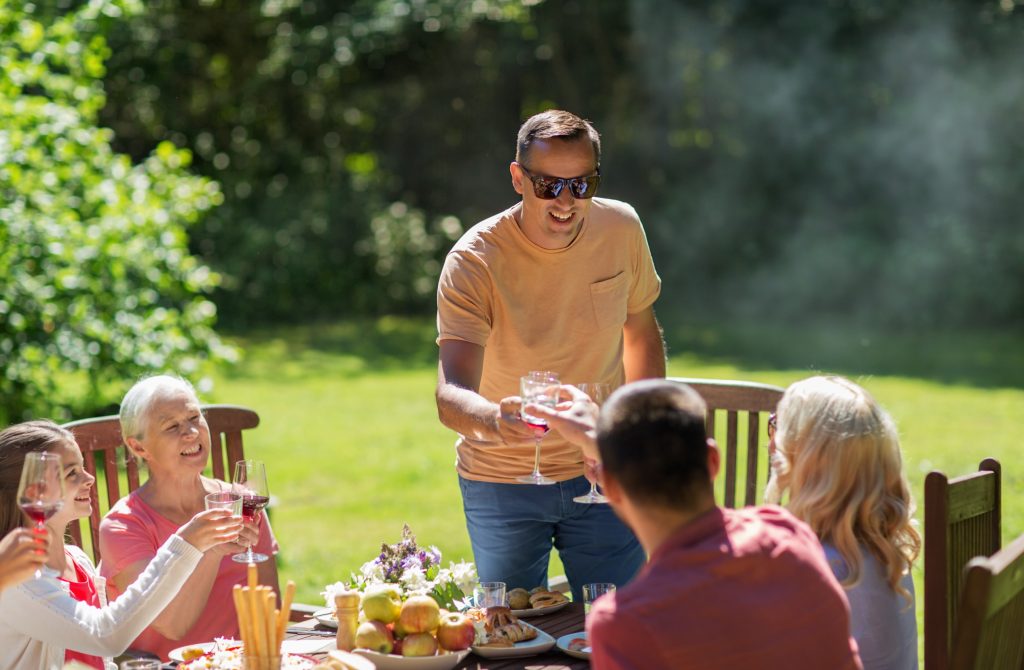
x=549, y=188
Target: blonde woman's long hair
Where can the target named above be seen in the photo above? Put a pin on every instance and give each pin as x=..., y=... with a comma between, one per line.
x=838, y=456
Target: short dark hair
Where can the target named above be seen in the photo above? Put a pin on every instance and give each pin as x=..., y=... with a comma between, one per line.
x=555, y=124
x=652, y=440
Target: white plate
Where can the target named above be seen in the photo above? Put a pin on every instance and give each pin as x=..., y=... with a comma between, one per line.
x=177, y=654
x=326, y=617
x=563, y=644
x=539, y=611
x=353, y=661
x=445, y=661
x=288, y=647
x=537, y=645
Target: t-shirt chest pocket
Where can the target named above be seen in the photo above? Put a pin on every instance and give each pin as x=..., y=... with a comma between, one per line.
x=609, y=297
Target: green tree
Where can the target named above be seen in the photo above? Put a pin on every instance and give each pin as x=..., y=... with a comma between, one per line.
x=96, y=281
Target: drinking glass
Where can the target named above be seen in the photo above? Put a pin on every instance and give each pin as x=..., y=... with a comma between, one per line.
x=540, y=388
x=592, y=592
x=598, y=392
x=140, y=664
x=250, y=481
x=228, y=500
x=489, y=594
x=41, y=490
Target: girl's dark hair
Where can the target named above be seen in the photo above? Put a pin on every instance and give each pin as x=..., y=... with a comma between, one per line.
x=15, y=442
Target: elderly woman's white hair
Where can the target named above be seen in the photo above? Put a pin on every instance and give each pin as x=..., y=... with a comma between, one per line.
x=140, y=398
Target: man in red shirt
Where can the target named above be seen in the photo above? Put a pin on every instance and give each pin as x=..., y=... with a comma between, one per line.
x=723, y=588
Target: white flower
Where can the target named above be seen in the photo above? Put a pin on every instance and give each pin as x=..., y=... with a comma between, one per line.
x=372, y=571
x=414, y=580
x=464, y=575
x=330, y=590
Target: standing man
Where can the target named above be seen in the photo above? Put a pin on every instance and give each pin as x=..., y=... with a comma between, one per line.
x=561, y=281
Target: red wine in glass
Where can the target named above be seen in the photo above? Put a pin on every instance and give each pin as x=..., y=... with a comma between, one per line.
x=540, y=388
x=250, y=481
x=39, y=511
x=252, y=506
x=41, y=489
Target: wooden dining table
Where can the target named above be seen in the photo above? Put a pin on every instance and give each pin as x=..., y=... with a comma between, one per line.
x=565, y=621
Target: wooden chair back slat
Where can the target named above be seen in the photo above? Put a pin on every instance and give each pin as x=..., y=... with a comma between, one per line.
x=102, y=435
x=990, y=630
x=962, y=520
x=736, y=399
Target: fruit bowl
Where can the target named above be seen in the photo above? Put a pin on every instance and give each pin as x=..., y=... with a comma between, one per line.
x=445, y=661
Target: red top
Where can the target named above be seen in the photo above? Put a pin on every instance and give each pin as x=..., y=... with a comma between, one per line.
x=732, y=589
x=83, y=590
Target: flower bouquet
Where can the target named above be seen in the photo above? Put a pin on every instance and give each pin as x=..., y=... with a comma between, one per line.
x=416, y=571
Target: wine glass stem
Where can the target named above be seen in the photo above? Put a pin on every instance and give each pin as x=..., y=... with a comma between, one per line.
x=536, y=458
x=593, y=489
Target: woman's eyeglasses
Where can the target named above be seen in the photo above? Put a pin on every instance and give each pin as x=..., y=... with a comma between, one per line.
x=549, y=188
x=773, y=423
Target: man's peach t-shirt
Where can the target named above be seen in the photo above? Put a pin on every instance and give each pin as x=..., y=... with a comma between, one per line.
x=543, y=309
x=133, y=531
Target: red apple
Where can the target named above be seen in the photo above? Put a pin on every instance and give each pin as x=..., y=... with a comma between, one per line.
x=420, y=614
x=375, y=636
x=419, y=644
x=455, y=632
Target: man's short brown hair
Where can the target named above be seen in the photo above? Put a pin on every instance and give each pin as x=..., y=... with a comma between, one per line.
x=555, y=124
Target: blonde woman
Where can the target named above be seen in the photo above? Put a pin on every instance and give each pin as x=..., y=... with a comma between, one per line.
x=836, y=453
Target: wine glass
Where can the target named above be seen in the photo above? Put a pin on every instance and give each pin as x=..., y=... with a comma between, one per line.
x=41, y=490
x=598, y=392
x=250, y=480
x=540, y=388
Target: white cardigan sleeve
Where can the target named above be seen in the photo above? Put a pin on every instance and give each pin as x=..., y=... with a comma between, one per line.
x=40, y=609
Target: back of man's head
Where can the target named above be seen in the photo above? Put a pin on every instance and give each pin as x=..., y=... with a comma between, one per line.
x=653, y=442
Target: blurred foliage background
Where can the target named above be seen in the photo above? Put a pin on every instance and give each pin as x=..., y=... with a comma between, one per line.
x=855, y=163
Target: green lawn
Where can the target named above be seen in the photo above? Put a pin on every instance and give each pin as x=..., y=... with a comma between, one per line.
x=350, y=431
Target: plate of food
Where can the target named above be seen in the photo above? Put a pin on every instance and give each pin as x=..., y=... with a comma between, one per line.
x=232, y=659
x=504, y=636
x=539, y=601
x=574, y=644
x=294, y=647
x=327, y=617
x=445, y=660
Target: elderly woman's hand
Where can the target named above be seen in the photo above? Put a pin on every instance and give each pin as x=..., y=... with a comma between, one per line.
x=212, y=528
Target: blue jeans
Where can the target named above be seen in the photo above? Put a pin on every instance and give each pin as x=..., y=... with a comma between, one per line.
x=512, y=528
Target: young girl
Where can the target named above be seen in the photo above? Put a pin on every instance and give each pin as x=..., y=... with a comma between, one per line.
x=836, y=452
x=63, y=615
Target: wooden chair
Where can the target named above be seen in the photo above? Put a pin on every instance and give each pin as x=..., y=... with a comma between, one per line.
x=961, y=521
x=741, y=447
x=990, y=629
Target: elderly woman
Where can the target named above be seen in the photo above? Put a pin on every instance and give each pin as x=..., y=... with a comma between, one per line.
x=63, y=615
x=836, y=452
x=163, y=425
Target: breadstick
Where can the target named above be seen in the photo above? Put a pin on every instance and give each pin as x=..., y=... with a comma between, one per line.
x=243, y=618
x=286, y=607
x=269, y=622
x=259, y=647
x=253, y=576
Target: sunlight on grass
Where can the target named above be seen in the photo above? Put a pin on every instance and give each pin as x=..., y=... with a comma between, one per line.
x=354, y=448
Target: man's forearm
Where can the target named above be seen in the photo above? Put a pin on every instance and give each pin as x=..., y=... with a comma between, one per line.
x=467, y=412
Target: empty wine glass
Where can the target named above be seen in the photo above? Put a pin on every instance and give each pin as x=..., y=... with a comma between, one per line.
x=250, y=481
x=540, y=388
x=41, y=490
x=598, y=392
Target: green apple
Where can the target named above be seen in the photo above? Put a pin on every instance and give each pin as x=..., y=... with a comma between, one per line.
x=375, y=636
x=382, y=602
x=419, y=644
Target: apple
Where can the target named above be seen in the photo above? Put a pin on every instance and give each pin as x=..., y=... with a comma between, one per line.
x=455, y=632
x=420, y=614
x=375, y=636
x=419, y=644
x=382, y=602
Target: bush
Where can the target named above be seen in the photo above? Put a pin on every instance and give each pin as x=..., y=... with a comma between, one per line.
x=98, y=285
